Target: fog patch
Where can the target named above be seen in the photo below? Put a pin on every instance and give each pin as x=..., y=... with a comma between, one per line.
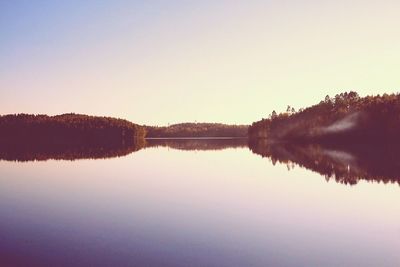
x=342, y=125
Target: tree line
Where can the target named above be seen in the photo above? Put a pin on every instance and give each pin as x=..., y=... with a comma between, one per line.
x=197, y=130
x=73, y=130
x=347, y=117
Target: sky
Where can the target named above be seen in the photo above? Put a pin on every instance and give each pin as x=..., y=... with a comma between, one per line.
x=163, y=62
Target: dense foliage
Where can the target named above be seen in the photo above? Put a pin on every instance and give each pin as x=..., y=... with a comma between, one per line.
x=68, y=130
x=68, y=126
x=197, y=130
x=344, y=118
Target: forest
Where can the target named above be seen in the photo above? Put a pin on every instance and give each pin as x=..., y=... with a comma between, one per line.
x=68, y=136
x=197, y=130
x=68, y=127
x=71, y=136
x=345, y=118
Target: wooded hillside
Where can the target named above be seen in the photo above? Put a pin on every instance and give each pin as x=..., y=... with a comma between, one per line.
x=67, y=128
x=197, y=130
x=343, y=118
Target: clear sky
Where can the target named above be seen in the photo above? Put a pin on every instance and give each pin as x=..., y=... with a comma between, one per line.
x=160, y=62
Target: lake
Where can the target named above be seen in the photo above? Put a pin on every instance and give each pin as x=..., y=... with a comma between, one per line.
x=197, y=203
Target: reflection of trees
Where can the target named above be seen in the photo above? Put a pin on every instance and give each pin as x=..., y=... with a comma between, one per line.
x=70, y=136
x=198, y=144
x=346, y=164
x=71, y=149
x=38, y=151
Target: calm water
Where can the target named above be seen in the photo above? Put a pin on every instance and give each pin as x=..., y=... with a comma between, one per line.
x=172, y=205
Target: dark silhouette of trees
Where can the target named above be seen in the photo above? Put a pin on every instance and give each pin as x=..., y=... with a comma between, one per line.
x=69, y=125
x=197, y=130
x=346, y=138
x=73, y=136
x=69, y=136
x=344, y=118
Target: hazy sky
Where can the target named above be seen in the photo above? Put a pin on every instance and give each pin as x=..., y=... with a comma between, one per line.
x=160, y=62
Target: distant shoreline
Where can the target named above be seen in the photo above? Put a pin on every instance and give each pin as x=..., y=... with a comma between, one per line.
x=195, y=138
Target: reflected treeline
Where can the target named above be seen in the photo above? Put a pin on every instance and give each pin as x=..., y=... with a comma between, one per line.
x=31, y=150
x=44, y=138
x=198, y=144
x=345, y=164
x=57, y=148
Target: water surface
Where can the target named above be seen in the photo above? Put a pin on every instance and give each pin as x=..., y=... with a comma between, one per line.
x=170, y=204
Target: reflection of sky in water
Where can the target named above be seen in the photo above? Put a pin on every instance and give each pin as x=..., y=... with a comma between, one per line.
x=163, y=207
